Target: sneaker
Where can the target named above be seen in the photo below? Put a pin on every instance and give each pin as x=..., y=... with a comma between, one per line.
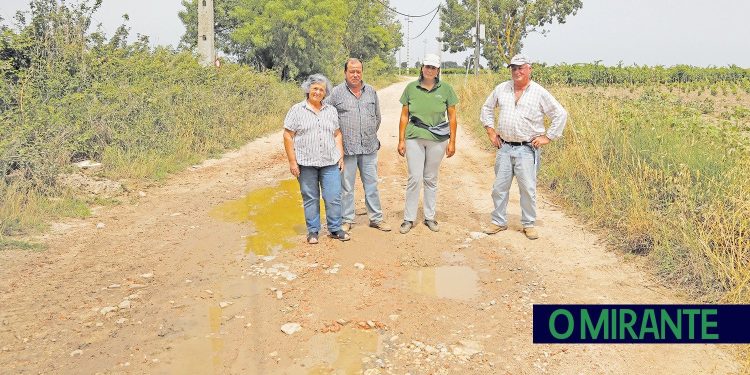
x=346, y=227
x=381, y=226
x=530, y=233
x=406, y=227
x=432, y=224
x=312, y=238
x=340, y=235
x=494, y=228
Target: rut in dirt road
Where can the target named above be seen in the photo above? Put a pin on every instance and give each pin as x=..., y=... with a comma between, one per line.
x=201, y=275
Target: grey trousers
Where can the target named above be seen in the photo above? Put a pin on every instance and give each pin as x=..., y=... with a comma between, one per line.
x=423, y=158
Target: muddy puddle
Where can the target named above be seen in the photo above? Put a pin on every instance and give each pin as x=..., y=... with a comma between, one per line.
x=203, y=335
x=342, y=353
x=274, y=215
x=453, y=282
x=201, y=354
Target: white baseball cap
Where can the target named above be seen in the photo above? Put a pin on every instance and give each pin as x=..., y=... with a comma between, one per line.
x=519, y=60
x=431, y=59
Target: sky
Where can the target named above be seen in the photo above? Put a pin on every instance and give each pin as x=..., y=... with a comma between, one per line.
x=642, y=32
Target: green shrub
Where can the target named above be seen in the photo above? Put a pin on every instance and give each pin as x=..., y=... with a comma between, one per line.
x=68, y=96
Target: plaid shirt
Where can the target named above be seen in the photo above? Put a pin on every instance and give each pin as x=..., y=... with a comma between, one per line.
x=523, y=121
x=314, y=141
x=359, y=118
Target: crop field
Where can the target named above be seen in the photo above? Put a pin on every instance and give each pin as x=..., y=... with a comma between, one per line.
x=657, y=157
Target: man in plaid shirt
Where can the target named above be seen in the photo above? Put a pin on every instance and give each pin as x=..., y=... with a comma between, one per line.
x=359, y=118
x=519, y=136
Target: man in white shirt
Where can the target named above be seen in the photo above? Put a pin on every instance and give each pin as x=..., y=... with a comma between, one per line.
x=519, y=136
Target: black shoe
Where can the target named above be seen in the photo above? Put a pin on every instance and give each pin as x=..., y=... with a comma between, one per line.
x=340, y=235
x=312, y=238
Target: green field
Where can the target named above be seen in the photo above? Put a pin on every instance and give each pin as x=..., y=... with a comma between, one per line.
x=662, y=167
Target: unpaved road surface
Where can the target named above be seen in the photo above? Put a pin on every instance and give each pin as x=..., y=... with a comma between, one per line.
x=176, y=283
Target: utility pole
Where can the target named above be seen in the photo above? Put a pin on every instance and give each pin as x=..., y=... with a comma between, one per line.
x=408, y=39
x=476, y=45
x=399, y=61
x=206, y=49
x=440, y=41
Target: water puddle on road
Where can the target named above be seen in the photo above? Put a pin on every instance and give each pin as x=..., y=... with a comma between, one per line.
x=342, y=353
x=454, y=282
x=275, y=213
x=201, y=354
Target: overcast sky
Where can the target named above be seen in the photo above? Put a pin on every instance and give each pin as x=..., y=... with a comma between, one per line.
x=643, y=32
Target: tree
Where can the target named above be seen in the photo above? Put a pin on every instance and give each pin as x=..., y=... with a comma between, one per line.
x=456, y=22
x=507, y=23
x=297, y=38
x=371, y=31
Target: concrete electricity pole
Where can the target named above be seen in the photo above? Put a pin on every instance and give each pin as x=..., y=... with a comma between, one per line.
x=440, y=35
x=206, y=48
x=408, y=39
x=476, y=45
x=399, y=61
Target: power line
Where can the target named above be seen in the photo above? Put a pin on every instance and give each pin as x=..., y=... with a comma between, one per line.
x=437, y=10
x=406, y=15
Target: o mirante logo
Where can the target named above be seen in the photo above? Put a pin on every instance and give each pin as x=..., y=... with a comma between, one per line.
x=621, y=324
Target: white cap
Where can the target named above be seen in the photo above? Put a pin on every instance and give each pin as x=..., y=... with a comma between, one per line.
x=519, y=60
x=431, y=59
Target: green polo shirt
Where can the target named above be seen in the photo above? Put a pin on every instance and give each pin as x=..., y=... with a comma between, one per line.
x=430, y=106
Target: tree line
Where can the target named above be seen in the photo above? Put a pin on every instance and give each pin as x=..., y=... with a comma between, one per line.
x=296, y=38
x=507, y=23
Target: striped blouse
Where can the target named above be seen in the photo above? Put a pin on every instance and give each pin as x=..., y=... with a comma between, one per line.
x=314, y=142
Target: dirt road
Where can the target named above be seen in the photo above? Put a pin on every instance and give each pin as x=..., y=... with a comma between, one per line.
x=199, y=275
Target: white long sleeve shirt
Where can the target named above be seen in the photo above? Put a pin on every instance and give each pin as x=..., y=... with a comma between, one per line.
x=524, y=120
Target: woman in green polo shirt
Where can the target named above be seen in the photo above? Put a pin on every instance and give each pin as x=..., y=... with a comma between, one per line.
x=424, y=136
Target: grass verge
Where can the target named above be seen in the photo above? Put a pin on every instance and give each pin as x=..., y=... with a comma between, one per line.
x=666, y=180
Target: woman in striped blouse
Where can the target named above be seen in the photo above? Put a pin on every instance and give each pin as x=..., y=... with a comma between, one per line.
x=314, y=147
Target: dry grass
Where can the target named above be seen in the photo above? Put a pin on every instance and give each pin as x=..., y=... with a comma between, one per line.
x=25, y=210
x=666, y=180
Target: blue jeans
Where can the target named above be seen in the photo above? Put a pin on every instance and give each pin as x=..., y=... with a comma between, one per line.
x=522, y=162
x=311, y=181
x=368, y=173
